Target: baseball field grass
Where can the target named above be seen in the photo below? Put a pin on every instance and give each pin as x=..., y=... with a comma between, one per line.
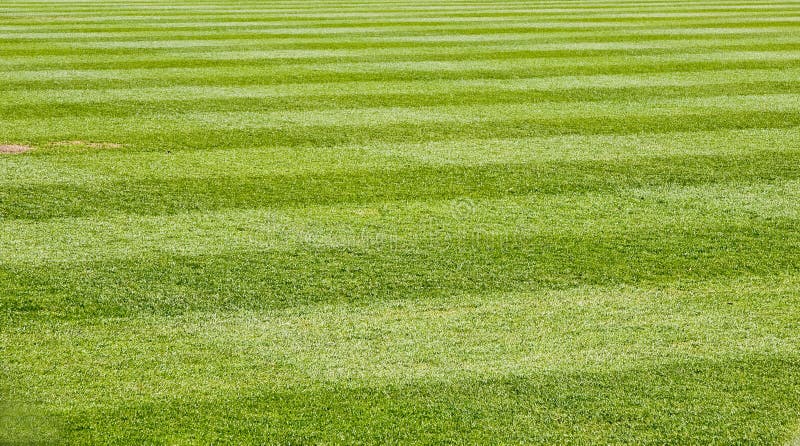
x=400, y=222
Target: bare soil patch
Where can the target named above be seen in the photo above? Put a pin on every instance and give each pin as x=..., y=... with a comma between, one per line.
x=14, y=148
x=90, y=144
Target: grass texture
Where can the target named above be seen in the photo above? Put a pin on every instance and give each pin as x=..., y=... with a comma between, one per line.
x=400, y=222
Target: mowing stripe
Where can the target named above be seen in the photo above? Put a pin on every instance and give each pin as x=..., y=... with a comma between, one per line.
x=399, y=221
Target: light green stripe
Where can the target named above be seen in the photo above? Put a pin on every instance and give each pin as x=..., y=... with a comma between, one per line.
x=421, y=53
x=490, y=65
x=382, y=225
x=431, y=87
x=93, y=167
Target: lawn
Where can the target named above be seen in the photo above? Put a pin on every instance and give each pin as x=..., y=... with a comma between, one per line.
x=399, y=222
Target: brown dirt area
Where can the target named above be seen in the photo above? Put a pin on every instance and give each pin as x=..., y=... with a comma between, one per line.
x=14, y=148
x=90, y=144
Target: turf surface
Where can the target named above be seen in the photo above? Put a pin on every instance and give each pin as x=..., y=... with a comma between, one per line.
x=400, y=222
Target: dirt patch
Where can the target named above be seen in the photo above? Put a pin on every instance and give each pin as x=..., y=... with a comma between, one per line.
x=89, y=144
x=14, y=148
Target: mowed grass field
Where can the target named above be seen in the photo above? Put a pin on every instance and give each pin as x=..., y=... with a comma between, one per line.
x=400, y=222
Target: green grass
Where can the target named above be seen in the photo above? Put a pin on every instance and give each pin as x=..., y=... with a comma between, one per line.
x=400, y=222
